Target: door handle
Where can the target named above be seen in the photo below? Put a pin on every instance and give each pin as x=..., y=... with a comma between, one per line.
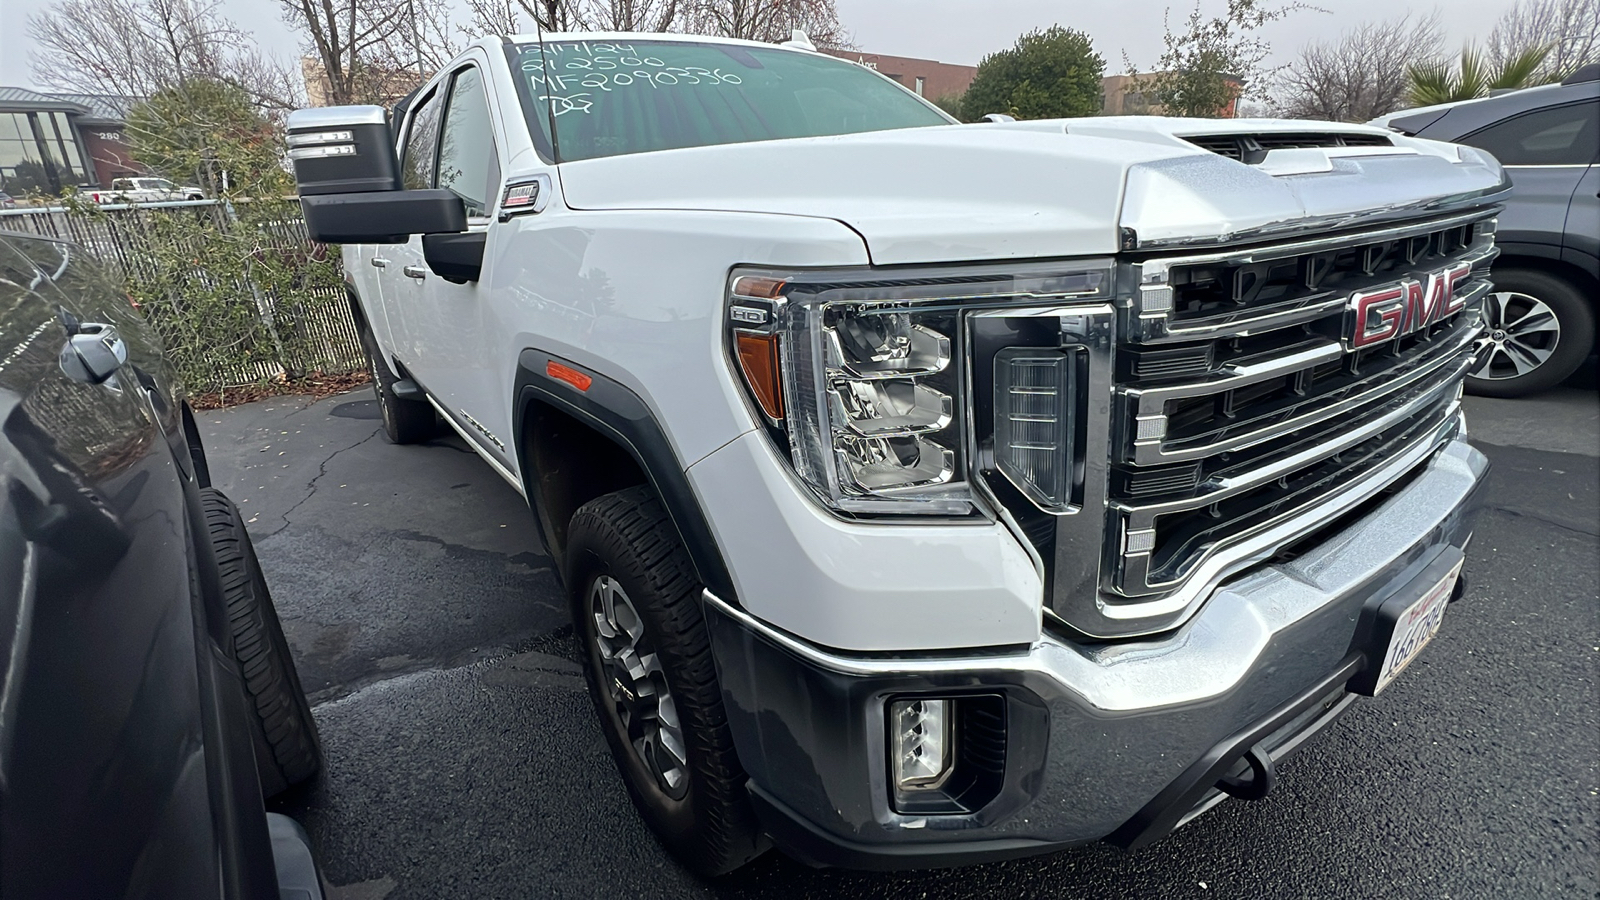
x=379, y=262
x=93, y=354
x=415, y=272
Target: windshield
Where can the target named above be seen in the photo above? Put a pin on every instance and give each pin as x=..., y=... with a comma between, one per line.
x=608, y=99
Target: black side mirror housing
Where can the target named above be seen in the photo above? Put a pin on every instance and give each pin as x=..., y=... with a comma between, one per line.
x=390, y=217
x=349, y=179
x=455, y=257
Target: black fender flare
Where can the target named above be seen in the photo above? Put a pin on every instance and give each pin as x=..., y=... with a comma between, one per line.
x=616, y=412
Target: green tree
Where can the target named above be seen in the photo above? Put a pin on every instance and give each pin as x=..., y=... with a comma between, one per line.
x=1214, y=61
x=1049, y=73
x=209, y=132
x=233, y=285
x=1471, y=76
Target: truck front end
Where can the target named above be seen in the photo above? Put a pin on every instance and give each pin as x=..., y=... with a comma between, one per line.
x=1038, y=553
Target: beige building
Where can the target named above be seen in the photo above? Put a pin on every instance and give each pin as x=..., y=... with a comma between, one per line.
x=386, y=88
x=928, y=78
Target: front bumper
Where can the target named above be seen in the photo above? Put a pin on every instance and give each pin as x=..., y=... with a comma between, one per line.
x=1109, y=740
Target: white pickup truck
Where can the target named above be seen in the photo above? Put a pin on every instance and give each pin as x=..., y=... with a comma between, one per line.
x=145, y=190
x=928, y=493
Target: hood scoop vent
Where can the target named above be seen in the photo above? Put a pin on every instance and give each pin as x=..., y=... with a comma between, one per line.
x=1252, y=149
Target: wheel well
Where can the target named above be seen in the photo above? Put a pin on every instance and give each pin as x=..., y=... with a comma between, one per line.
x=567, y=463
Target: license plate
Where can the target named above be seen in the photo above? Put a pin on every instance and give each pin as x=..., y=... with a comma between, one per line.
x=1415, y=627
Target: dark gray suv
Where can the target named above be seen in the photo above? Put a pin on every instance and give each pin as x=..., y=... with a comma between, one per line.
x=148, y=699
x=1547, y=279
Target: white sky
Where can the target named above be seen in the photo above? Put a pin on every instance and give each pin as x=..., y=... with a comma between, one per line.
x=956, y=31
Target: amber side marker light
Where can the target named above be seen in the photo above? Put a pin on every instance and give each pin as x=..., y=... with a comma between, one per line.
x=568, y=374
x=758, y=360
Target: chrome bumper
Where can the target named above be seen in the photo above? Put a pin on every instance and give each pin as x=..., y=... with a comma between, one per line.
x=1096, y=732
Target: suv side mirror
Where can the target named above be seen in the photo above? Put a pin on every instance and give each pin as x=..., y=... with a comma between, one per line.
x=349, y=180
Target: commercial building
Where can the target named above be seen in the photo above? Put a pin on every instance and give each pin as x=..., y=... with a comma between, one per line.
x=51, y=141
x=929, y=78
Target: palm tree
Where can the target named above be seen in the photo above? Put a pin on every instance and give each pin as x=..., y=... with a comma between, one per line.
x=1436, y=81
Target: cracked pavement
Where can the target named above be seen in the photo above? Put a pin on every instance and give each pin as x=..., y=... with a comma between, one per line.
x=464, y=760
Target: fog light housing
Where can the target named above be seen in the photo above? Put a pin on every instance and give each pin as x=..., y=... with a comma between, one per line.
x=921, y=743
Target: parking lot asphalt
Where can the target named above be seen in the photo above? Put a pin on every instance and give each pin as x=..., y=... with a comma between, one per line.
x=463, y=759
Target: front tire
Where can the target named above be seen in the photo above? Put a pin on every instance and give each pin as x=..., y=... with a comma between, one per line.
x=288, y=751
x=635, y=607
x=404, y=421
x=1540, y=332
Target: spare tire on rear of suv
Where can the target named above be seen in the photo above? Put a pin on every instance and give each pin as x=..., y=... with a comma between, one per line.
x=287, y=749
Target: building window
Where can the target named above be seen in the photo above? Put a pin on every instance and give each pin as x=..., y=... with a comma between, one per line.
x=38, y=153
x=920, y=83
x=20, y=168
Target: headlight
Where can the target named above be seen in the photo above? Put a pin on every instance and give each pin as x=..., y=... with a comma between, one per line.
x=861, y=377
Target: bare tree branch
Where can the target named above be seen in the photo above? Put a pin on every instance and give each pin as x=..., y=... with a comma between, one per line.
x=769, y=20
x=135, y=48
x=1360, y=75
x=1569, y=28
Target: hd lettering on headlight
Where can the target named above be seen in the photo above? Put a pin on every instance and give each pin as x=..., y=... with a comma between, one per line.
x=865, y=379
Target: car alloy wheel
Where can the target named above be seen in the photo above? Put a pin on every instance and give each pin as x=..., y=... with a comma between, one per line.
x=1523, y=334
x=638, y=686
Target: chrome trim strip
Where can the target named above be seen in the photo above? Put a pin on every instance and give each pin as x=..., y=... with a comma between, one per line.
x=1250, y=373
x=1153, y=452
x=1260, y=545
x=334, y=116
x=472, y=441
x=1290, y=228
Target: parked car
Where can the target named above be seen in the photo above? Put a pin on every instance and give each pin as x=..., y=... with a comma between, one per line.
x=146, y=190
x=1547, y=280
x=927, y=493
x=148, y=701
x=7, y=201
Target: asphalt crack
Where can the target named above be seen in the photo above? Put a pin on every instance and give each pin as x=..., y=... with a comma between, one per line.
x=311, y=486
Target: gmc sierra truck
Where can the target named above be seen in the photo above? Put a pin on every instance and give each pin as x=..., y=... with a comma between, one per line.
x=927, y=493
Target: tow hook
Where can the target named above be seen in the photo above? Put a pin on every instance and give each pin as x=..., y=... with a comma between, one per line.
x=1256, y=781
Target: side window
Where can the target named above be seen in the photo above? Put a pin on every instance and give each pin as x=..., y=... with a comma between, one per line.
x=1562, y=135
x=468, y=164
x=421, y=144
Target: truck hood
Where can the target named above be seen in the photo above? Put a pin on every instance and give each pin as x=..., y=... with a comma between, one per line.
x=1038, y=189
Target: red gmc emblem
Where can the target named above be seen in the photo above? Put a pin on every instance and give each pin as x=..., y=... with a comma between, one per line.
x=1386, y=313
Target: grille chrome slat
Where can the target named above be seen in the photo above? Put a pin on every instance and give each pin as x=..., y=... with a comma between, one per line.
x=1224, y=486
x=1371, y=389
x=1262, y=541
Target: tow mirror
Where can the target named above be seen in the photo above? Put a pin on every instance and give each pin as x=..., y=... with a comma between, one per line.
x=349, y=180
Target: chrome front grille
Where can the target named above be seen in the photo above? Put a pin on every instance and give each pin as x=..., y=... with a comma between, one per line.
x=1245, y=401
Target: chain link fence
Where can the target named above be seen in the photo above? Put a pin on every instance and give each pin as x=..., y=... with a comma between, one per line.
x=240, y=295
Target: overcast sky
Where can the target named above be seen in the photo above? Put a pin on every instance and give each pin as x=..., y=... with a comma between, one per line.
x=957, y=31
